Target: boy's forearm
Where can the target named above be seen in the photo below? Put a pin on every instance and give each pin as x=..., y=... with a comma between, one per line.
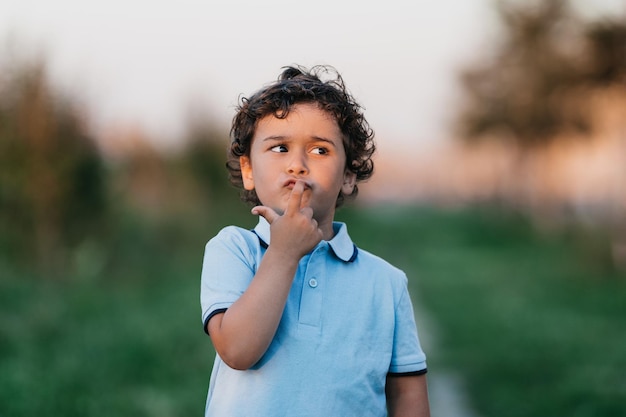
x=244, y=332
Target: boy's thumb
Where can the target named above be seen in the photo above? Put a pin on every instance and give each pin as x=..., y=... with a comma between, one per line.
x=269, y=214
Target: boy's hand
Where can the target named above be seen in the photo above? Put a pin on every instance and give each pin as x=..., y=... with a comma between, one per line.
x=296, y=232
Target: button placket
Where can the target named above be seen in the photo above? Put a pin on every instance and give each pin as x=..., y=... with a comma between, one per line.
x=311, y=298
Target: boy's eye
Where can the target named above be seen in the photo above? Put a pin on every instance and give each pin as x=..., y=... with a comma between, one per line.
x=319, y=151
x=278, y=148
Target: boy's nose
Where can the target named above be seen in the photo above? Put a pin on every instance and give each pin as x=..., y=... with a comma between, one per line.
x=297, y=165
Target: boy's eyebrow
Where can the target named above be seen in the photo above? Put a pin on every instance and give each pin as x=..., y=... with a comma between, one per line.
x=273, y=137
x=281, y=138
x=330, y=141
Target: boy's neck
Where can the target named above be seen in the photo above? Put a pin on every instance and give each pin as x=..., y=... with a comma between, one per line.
x=328, y=231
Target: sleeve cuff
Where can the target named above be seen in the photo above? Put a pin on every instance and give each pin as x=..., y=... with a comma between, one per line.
x=213, y=313
x=413, y=373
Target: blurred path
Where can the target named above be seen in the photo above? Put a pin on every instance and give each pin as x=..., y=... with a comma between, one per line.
x=447, y=397
x=445, y=388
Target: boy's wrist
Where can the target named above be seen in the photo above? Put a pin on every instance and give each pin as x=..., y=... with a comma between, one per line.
x=286, y=256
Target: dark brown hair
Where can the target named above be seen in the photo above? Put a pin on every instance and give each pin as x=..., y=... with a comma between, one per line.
x=297, y=85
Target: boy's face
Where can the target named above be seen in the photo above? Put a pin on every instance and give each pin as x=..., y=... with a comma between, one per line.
x=306, y=145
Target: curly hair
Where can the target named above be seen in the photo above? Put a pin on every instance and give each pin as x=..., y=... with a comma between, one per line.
x=298, y=85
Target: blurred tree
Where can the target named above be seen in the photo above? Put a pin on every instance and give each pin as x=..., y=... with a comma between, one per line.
x=523, y=93
x=140, y=177
x=205, y=154
x=52, y=178
x=607, y=44
x=552, y=77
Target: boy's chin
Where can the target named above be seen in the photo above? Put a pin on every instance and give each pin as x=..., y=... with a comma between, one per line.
x=279, y=210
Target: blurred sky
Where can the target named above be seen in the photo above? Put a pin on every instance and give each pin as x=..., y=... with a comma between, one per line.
x=151, y=62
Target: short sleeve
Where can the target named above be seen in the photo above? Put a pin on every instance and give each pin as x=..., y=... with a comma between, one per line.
x=407, y=355
x=228, y=266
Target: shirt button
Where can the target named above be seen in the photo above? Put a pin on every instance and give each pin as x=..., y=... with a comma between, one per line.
x=312, y=283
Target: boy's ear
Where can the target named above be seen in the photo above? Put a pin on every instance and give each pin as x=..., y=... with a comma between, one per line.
x=349, y=181
x=246, y=172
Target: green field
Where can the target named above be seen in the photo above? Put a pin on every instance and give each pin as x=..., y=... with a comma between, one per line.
x=533, y=320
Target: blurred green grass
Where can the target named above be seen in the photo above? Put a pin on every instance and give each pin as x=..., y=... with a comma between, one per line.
x=120, y=333
x=532, y=320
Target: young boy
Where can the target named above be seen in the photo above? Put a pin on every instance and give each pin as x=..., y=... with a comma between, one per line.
x=303, y=322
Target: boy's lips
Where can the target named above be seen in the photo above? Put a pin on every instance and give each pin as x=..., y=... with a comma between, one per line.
x=292, y=181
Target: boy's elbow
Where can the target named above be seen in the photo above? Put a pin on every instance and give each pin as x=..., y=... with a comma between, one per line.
x=235, y=352
x=239, y=362
x=239, y=367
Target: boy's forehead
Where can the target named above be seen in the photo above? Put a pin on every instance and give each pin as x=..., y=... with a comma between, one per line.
x=304, y=118
x=303, y=109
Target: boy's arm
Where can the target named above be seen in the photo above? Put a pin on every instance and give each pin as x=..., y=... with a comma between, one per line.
x=407, y=396
x=242, y=334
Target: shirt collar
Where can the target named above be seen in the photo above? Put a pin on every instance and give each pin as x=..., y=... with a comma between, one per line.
x=341, y=244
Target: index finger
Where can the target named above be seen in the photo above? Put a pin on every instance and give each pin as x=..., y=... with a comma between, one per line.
x=295, y=199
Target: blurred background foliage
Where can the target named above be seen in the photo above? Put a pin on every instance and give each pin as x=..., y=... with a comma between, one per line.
x=534, y=88
x=101, y=245
x=52, y=180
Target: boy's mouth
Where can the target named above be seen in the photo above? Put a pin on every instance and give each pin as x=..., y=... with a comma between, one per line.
x=292, y=181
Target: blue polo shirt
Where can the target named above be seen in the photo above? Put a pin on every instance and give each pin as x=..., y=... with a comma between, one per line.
x=347, y=324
